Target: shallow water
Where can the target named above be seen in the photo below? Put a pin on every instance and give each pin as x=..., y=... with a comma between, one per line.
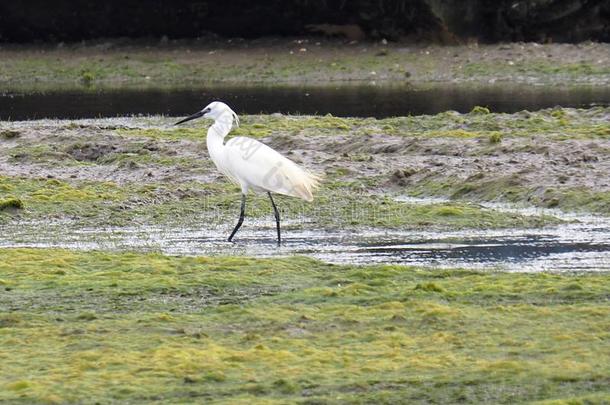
x=354, y=100
x=580, y=245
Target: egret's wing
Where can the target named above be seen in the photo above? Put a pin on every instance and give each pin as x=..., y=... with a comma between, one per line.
x=263, y=168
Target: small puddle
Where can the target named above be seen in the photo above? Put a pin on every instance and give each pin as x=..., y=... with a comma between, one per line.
x=580, y=245
x=354, y=100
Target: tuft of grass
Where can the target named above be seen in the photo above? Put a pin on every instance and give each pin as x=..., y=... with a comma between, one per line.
x=9, y=134
x=11, y=203
x=170, y=134
x=429, y=287
x=87, y=77
x=480, y=110
x=509, y=188
x=454, y=133
x=495, y=137
x=567, y=71
x=445, y=211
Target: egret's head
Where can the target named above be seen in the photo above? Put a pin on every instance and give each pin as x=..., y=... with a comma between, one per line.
x=215, y=110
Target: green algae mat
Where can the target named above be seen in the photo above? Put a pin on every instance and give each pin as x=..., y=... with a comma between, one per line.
x=94, y=327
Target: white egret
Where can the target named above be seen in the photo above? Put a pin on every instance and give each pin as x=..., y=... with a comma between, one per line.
x=251, y=164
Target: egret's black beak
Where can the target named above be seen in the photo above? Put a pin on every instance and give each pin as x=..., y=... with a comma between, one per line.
x=191, y=117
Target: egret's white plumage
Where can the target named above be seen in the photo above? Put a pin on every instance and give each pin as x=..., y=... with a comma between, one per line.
x=252, y=164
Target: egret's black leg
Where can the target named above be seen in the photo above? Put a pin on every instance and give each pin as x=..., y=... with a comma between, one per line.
x=277, y=219
x=241, y=216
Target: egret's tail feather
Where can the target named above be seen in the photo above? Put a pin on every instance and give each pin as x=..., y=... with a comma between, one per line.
x=308, y=183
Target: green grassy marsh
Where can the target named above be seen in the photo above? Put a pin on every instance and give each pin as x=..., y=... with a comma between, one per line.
x=93, y=203
x=77, y=327
x=556, y=124
x=115, y=65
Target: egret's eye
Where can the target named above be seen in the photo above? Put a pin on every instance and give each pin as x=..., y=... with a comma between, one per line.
x=207, y=110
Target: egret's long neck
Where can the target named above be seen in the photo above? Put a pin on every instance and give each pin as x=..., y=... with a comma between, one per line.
x=222, y=126
x=217, y=132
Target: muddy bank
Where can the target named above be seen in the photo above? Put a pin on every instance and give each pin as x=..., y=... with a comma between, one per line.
x=551, y=158
x=118, y=63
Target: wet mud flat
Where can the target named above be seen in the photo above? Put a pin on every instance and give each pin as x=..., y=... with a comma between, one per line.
x=581, y=245
x=412, y=190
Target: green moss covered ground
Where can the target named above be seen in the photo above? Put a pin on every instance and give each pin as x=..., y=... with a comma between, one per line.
x=94, y=203
x=141, y=328
x=103, y=172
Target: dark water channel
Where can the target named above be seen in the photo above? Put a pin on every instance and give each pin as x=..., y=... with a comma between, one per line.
x=359, y=101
